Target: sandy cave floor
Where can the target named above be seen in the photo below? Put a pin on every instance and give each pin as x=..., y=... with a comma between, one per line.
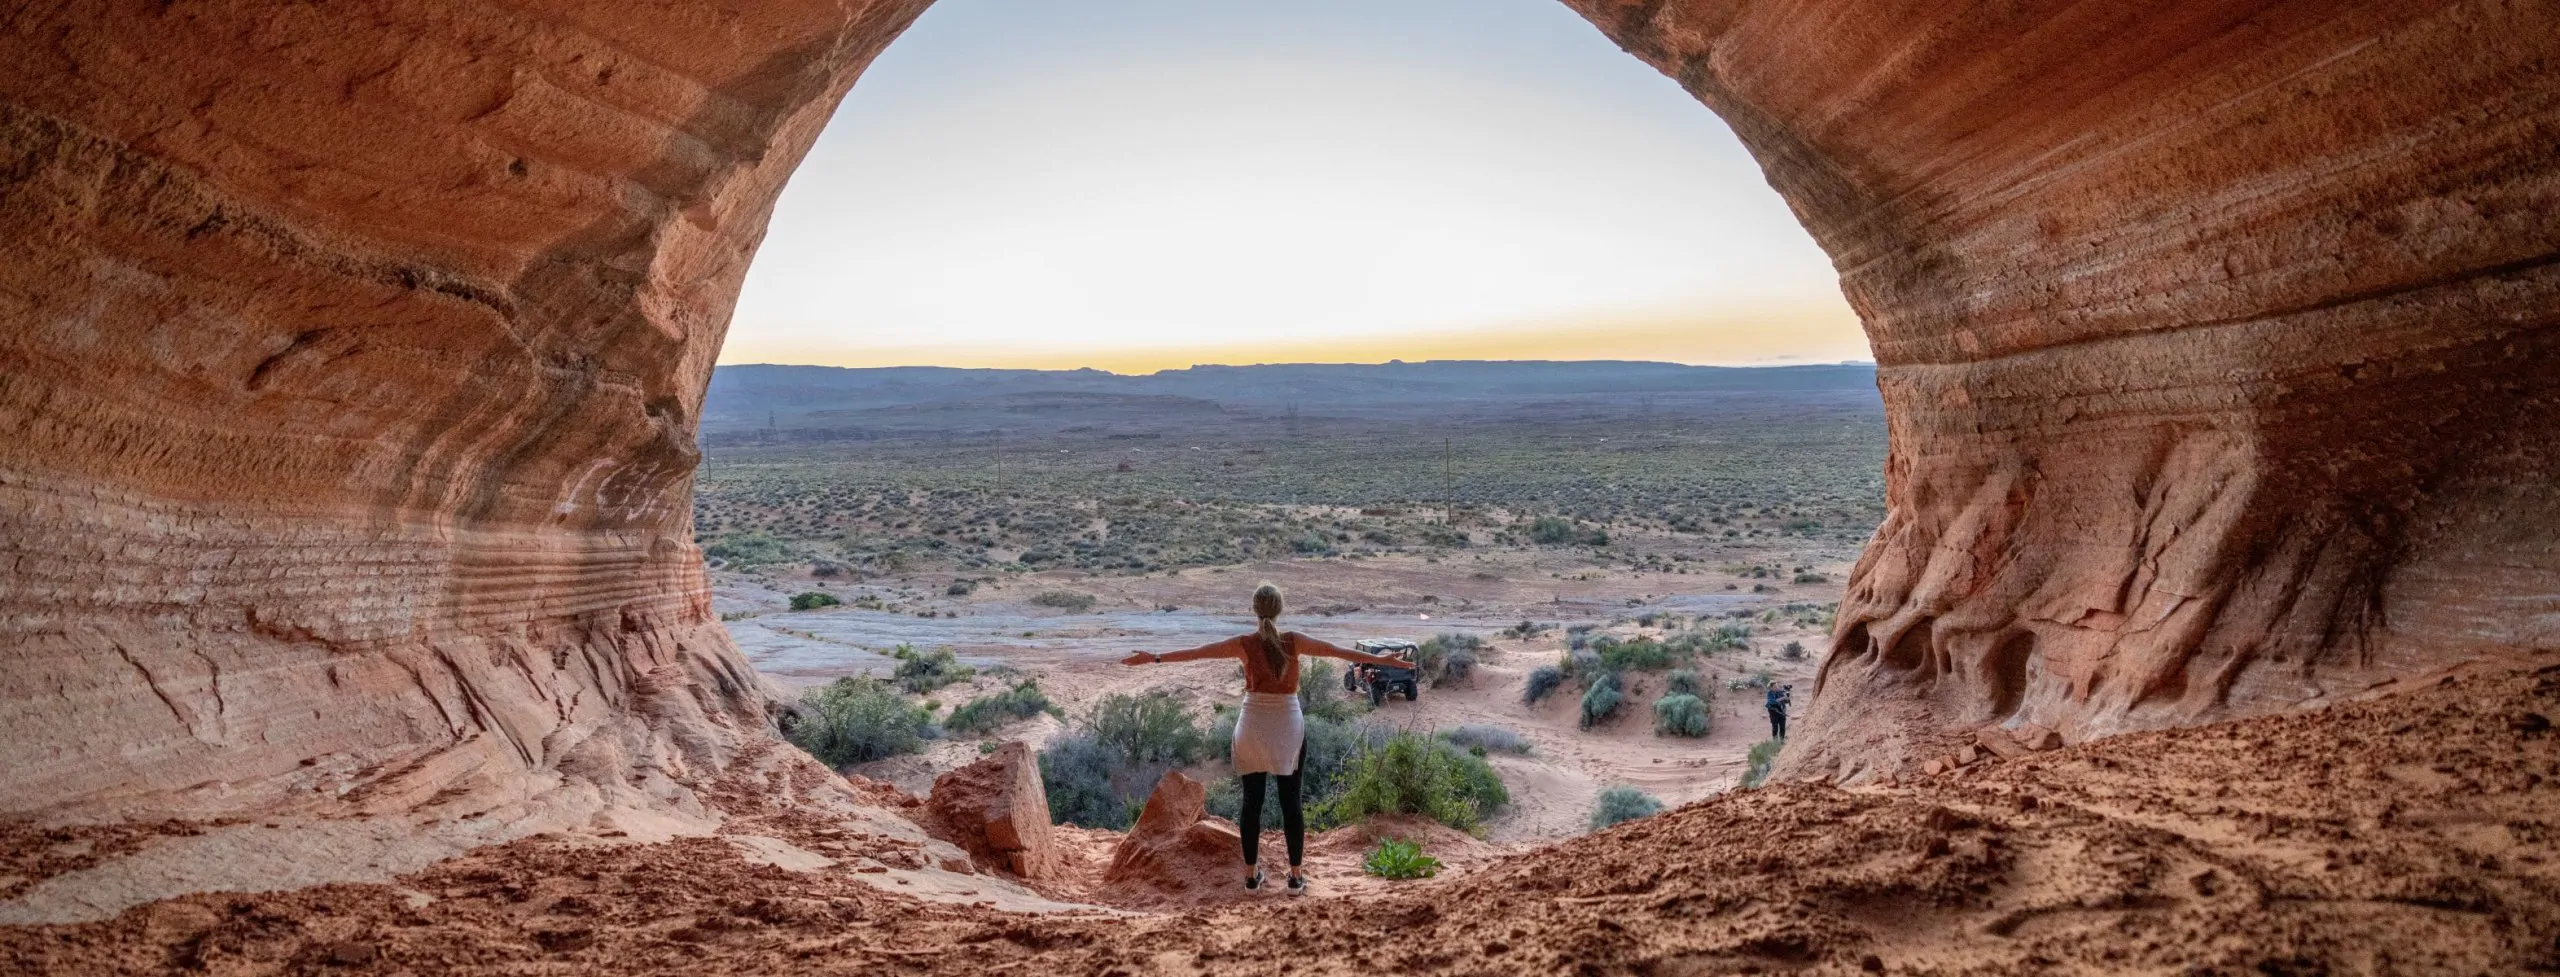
x=2415, y=833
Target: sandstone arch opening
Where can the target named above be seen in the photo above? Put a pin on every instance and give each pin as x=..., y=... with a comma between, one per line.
x=349, y=393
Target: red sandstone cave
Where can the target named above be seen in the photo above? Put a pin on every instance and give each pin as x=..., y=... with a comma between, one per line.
x=353, y=354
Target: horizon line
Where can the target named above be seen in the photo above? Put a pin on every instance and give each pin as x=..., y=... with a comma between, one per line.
x=1239, y=366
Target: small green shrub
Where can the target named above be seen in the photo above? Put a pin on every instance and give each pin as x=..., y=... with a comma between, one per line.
x=960, y=588
x=1320, y=692
x=920, y=672
x=1618, y=804
x=1066, y=600
x=1087, y=784
x=1460, y=668
x=1794, y=651
x=751, y=549
x=1583, y=665
x=1146, y=728
x=812, y=600
x=856, y=719
x=1331, y=746
x=1728, y=636
x=1680, y=715
x=1433, y=655
x=988, y=713
x=1487, y=739
x=1526, y=630
x=1601, y=700
x=1685, y=681
x=1394, y=859
x=1543, y=681
x=1415, y=774
x=1755, y=766
x=1637, y=655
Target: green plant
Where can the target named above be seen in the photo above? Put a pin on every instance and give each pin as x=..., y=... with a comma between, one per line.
x=920, y=672
x=1320, y=692
x=1147, y=727
x=1794, y=651
x=856, y=719
x=1410, y=773
x=1542, y=682
x=1087, y=783
x=1482, y=739
x=1459, y=668
x=1638, y=654
x=987, y=713
x=1601, y=700
x=1680, y=715
x=750, y=549
x=1619, y=804
x=1330, y=748
x=1394, y=859
x=812, y=600
x=1066, y=600
x=1756, y=764
x=1432, y=657
x=1685, y=681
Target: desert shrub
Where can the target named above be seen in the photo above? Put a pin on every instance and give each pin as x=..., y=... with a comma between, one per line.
x=1684, y=681
x=960, y=588
x=1794, y=651
x=1680, y=715
x=1812, y=578
x=1411, y=773
x=1460, y=667
x=920, y=672
x=1487, y=739
x=1394, y=859
x=1755, y=765
x=1525, y=630
x=1320, y=692
x=1619, y=804
x=1543, y=682
x=1639, y=654
x=1728, y=636
x=1553, y=531
x=1146, y=728
x=856, y=720
x=1582, y=665
x=1086, y=783
x=1433, y=655
x=812, y=600
x=1066, y=600
x=1601, y=700
x=750, y=549
x=988, y=713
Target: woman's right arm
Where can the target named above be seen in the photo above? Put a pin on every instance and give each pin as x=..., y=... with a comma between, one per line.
x=1221, y=649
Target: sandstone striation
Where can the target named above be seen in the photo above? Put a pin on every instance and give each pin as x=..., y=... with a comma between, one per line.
x=354, y=352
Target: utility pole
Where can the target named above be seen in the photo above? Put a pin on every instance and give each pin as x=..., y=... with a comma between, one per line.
x=1448, y=485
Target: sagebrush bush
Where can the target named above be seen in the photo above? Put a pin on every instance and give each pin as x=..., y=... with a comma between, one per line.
x=1680, y=715
x=1415, y=774
x=1582, y=665
x=811, y=600
x=1320, y=693
x=1064, y=600
x=1755, y=766
x=1087, y=783
x=856, y=719
x=1686, y=681
x=1459, y=669
x=1433, y=655
x=1636, y=655
x=1543, y=681
x=1601, y=700
x=1490, y=739
x=1794, y=651
x=1618, y=804
x=920, y=672
x=1147, y=727
x=990, y=712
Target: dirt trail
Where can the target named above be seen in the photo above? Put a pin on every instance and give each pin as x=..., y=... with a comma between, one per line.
x=2413, y=834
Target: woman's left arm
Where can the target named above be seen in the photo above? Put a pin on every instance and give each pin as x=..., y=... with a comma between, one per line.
x=1311, y=646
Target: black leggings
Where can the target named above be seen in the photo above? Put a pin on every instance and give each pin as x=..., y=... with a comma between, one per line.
x=1778, y=723
x=1293, y=815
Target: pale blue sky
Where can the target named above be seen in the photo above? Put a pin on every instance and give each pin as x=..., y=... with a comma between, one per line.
x=1134, y=184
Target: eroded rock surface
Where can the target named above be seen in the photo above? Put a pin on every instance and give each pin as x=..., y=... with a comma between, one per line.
x=354, y=354
x=996, y=809
x=1176, y=850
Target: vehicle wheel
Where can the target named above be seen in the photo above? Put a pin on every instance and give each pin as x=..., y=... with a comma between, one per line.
x=1377, y=694
x=1413, y=693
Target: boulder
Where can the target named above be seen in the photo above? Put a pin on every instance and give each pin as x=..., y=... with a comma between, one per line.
x=1176, y=850
x=997, y=810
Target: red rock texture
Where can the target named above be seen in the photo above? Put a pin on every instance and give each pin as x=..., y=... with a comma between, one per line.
x=1176, y=852
x=353, y=354
x=996, y=809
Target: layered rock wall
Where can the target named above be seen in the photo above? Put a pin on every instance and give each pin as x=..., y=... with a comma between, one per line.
x=2216, y=340
x=353, y=354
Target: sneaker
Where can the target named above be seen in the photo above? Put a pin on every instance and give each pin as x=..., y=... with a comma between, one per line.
x=1297, y=884
x=1254, y=881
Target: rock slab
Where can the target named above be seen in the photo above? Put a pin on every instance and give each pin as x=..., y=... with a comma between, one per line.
x=997, y=809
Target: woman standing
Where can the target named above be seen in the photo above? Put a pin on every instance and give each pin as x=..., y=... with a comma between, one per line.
x=1271, y=734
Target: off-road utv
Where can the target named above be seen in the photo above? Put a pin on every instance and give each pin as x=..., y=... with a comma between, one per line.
x=1381, y=681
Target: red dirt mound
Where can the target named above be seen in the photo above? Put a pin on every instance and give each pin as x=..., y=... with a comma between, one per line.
x=1176, y=853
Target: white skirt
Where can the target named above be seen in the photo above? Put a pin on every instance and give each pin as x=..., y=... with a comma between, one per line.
x=1269, y=734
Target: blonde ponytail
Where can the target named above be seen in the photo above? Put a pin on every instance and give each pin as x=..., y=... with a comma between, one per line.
x=1266, y=609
